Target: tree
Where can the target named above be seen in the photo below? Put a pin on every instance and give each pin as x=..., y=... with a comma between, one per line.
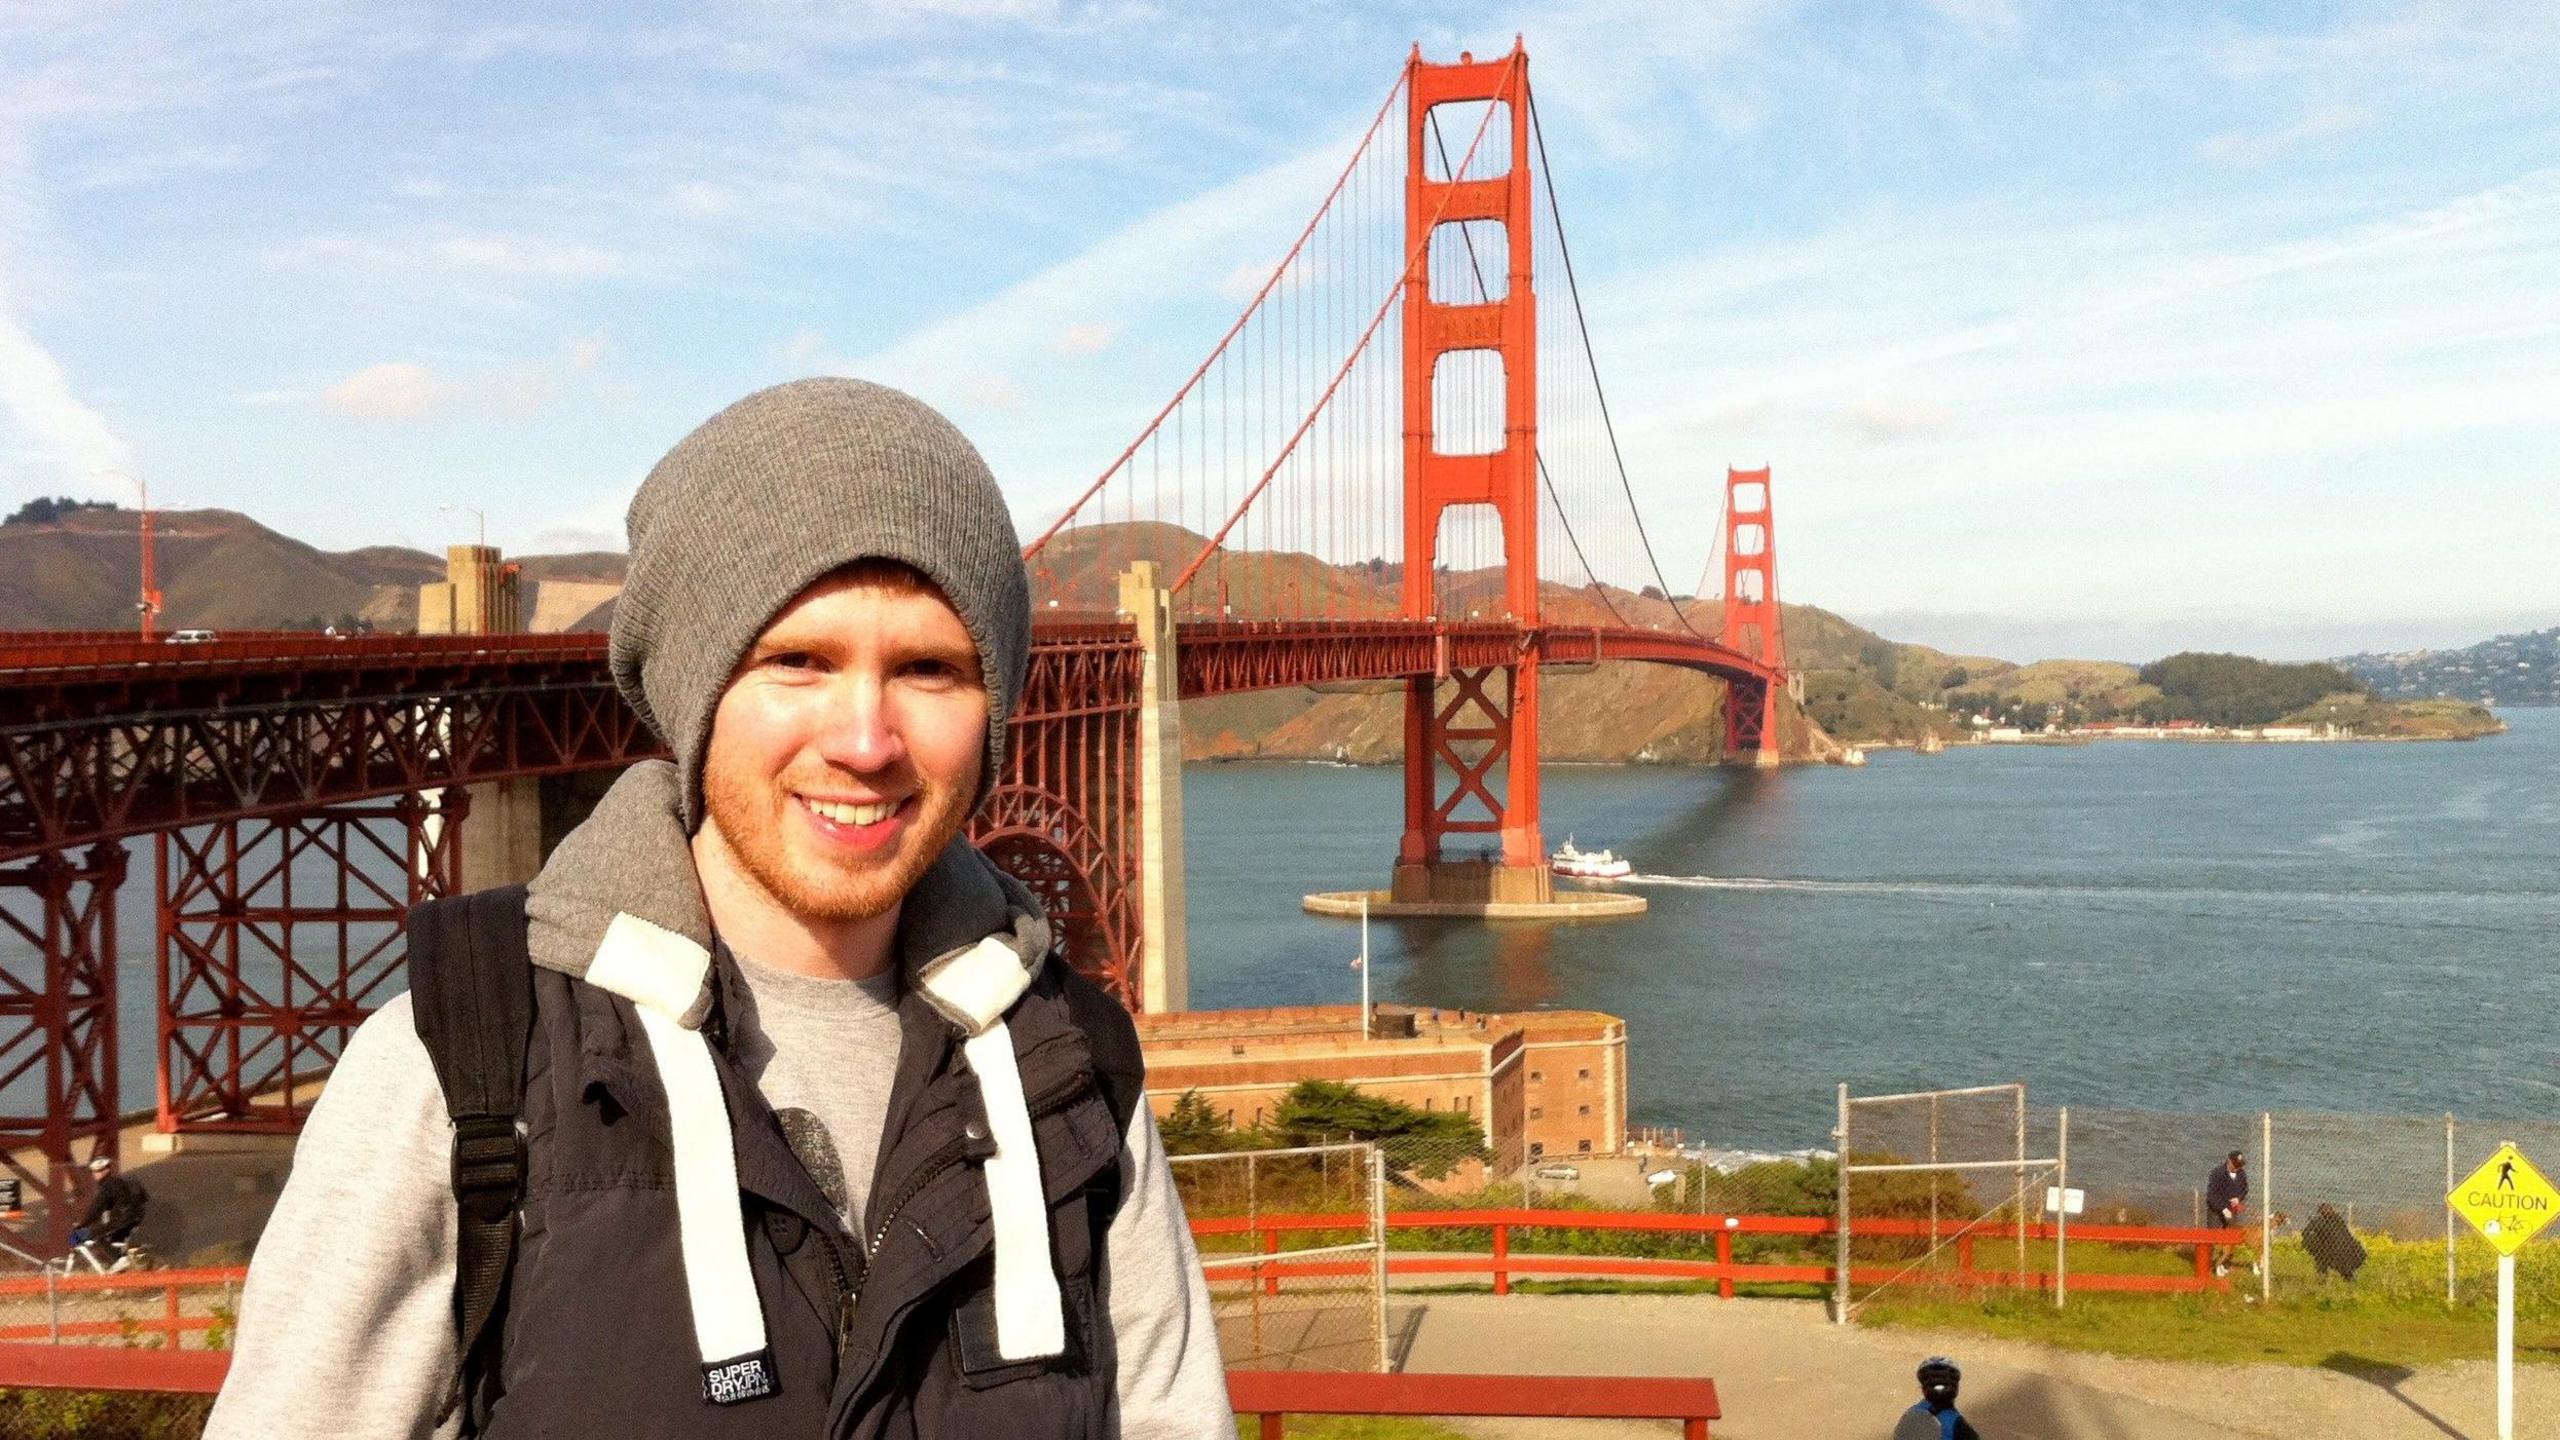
x=1955, y=678
x=1653, y=592
x=44, y=510
x=1193, y=1127
x=1428, y=1142
x=2238, y=690
x=1883, y=660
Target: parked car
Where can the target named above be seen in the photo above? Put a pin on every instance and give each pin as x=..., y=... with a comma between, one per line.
x=190, y=637
x=1558, y=1172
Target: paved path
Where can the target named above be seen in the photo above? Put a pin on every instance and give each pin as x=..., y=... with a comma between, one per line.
x=1784, y=1371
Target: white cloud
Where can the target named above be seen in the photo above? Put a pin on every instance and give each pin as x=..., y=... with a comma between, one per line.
x=1090, y=338
x=406, y=258
x=807, y=348
x=583, y=352
x=148, y=166
x=702, y=200
x=38, y=394
x=2247, y=147
x=545, y=257
x=393, y=390
x=1886, y=419
x=35, y=390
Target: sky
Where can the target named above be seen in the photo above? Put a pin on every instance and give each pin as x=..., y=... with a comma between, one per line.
x=2100, y=331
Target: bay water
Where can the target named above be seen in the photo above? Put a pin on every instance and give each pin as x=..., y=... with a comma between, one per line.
x=2172, y=926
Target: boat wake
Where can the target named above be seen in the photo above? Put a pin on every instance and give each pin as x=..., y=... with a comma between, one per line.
x=1964, y=890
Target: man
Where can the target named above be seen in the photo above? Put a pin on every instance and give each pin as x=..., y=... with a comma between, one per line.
x=115, y=1209
x=1936, y=1416
x=2226, y=1194
x=775, y=1000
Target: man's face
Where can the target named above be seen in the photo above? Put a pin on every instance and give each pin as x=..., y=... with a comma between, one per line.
x=845, y=752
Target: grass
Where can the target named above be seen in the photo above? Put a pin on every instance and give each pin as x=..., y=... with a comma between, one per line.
x=2393, y=1315
x=2225, y=1329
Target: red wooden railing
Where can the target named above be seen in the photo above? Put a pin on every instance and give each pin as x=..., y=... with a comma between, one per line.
x=169, y=1324
x=1273, y=1394
x=112, y=1367
x=1263, y=1233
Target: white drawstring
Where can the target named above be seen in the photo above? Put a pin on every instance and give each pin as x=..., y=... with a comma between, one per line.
x=1030, y=1317
x=650, y=966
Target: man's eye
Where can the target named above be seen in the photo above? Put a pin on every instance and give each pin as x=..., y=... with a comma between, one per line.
x=932, y=669
x=791, y=660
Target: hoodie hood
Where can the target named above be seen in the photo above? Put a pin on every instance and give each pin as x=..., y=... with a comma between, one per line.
x=970, y=937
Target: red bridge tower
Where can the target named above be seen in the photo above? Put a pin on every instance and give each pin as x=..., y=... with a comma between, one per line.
x=1471, y=761
x=1751, y=620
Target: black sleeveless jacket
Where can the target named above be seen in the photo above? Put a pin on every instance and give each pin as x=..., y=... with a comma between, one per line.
x=878, y=1337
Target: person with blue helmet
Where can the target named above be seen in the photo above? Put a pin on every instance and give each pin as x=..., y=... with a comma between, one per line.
x=1935, y=1417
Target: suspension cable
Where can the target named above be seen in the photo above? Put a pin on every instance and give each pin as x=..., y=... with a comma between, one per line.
x=1420, y=255
x=1485, y=292
x=1251, y=308
x=1581, y=323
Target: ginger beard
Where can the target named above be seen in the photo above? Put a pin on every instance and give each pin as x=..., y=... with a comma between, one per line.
x=862, y=693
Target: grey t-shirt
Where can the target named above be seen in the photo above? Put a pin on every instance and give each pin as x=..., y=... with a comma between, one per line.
x=822, y=1052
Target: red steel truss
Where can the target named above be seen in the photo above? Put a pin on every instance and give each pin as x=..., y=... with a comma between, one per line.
x=277, y=937
x=58, y=1027
x=305, y=793
x=1064, y=821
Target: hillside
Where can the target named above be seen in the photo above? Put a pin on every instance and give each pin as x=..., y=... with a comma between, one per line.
x=2507, y=670
x=221, y=570
x=218, y=569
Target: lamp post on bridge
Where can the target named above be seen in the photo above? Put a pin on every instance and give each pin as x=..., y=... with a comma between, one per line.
x=476, y=513
x=147, y=605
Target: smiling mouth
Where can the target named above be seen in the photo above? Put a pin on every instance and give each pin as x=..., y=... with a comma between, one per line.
x=850, y=814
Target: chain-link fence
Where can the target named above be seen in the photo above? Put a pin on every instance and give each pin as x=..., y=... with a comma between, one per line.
x=102, y=1415
x=2355, y=1204
x=1941, y=1188
x=1293, y=1245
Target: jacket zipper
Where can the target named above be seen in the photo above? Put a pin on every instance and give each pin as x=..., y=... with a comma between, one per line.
x=1050, y=1101
x=951, y=1154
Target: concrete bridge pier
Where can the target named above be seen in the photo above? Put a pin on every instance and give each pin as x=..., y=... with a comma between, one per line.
x=1164, y=983
x=501, y=839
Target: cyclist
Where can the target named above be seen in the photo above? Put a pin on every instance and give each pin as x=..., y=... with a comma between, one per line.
x=1936, y=1417
x=115, y=1209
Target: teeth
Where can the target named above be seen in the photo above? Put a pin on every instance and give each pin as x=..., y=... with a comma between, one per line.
x=852, y=814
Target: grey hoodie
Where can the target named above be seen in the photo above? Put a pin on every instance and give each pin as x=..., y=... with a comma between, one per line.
x=346, y=1324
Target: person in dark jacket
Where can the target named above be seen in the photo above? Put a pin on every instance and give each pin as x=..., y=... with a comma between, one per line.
x=2226, y=1197
x=2334, y=1248
x=1936, y=1416
x=115, y=1207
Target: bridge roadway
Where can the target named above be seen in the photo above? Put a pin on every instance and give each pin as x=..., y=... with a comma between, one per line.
x=105, y=737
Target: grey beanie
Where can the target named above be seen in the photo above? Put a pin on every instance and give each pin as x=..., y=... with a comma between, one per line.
x=772, y=494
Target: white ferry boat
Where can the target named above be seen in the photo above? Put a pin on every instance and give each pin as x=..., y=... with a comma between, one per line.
x=1588, y=864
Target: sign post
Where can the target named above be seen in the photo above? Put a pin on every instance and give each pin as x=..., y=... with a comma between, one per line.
x=2508, y=1201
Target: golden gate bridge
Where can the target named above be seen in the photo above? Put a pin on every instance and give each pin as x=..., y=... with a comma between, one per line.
x=1388, y=469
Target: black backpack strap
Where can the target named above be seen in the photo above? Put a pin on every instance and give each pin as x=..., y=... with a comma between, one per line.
x=471, y=995
x=1118, y=1064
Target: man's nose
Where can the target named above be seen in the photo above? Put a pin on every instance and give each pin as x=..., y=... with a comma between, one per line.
x=860, y=730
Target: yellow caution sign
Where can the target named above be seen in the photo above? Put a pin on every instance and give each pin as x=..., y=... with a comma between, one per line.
x=2506, y=1199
